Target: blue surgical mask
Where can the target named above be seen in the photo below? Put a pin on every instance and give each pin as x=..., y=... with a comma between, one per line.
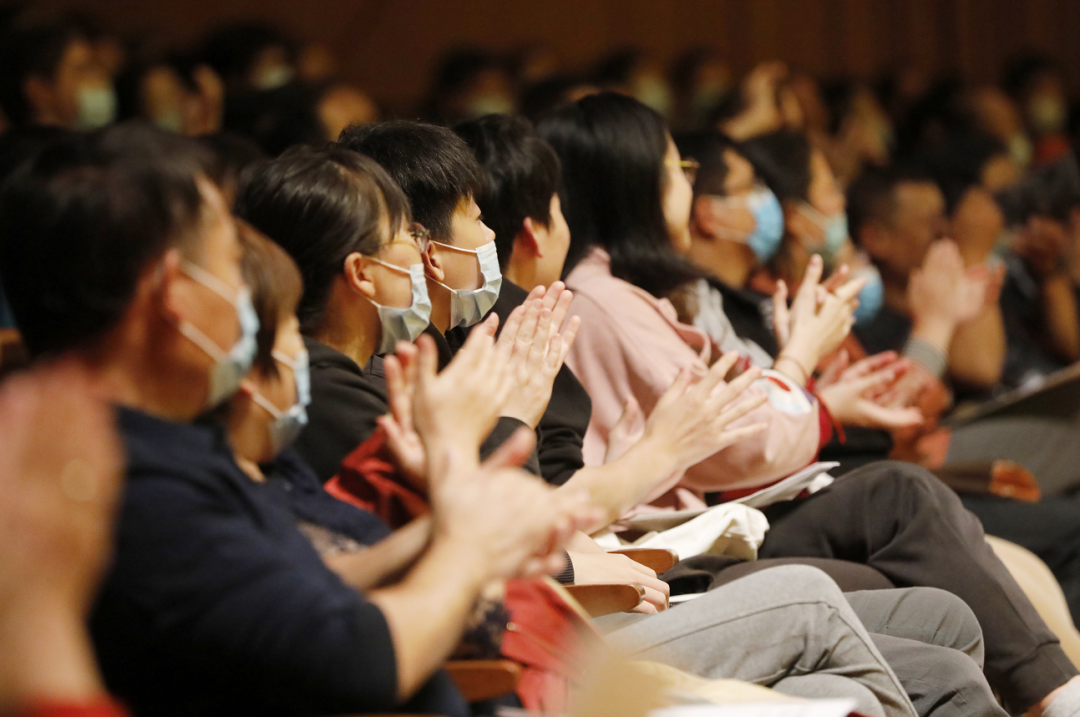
x=468, y=307
x=408, y=323
x=96, y=106
x=229, y=366
x=871, y=296
x=287, y=425
x=768, y=224
x=768, y=230
x=834, y=228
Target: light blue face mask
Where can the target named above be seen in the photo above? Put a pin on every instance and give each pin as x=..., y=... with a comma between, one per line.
x=871, y=296
x=229, y=367
x=768, y=224
x=96, y=106
x=287, y=425
x=467, y=307
x=408, y=323
x=834, y=229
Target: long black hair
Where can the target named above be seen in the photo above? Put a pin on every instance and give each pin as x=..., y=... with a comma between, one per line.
x=612, y=149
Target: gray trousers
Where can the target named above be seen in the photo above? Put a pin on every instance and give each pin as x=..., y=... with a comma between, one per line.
x=790, y=628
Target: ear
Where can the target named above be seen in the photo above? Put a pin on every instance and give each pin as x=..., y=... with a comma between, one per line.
x=530, y=239
x=161, y=283
x=433, y=263
x=705, y=215
x=358, y=274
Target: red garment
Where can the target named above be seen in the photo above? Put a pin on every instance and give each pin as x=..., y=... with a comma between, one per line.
x=104, y=707
x=544, y=634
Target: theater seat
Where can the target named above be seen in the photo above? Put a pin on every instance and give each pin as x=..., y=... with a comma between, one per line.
x=479, y=680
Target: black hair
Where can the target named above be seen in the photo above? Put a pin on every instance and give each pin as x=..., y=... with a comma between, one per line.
x=22, y=144
x=432, y=165
x=520, y=171
x=957, y=164
x=25, y=52
x=277, y=119
x=321, y=204
x=708, y=149
x=232, y=49
x=80, y=222
x=1052, y=191
x=782, y=160
x=612, y=149
x=872, y=196
x=231, y=154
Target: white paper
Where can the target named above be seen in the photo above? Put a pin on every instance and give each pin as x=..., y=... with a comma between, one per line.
x=812, y=477
x=793, y=708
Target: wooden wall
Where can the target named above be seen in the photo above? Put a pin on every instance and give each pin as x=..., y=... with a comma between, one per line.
x=390, y=46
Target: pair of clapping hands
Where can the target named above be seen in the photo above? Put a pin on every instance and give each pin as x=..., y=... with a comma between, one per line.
x=810, y=331
x=438, y=420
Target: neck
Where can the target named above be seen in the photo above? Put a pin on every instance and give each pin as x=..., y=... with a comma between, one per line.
x=728, y=261
x=522, y=273
x=440, y=305
x=895, y=294
x=128, y=373
x=350, y=326
x=248, y=436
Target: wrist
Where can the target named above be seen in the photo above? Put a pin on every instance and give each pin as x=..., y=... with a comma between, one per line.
x=793, y=367
x=657, y=452
x=936, y=331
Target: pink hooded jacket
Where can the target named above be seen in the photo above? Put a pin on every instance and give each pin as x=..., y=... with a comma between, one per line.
x=632, y=343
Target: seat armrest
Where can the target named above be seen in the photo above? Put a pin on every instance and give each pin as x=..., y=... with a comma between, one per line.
x=658, y=559
x=479, y=680
x=599, y=600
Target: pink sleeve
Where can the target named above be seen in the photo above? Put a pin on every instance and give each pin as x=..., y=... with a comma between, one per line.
x=625, y=347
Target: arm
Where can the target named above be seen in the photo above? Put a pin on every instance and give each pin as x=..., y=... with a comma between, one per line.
x=1062, y=322
x=977, y=351
x=384, y=561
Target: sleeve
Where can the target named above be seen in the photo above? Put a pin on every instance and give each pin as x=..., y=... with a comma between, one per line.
x=562, y=429
x=341, y=416
x=500, y=434
x=279, y=623
x=637, y=353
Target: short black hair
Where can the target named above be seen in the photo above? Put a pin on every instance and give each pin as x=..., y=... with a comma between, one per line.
x=782, y=160
x=613, y=149
x=708, y=149
x=521, y=175
x=81, y=221
x=277, y=119
x=872, y=196
x=432, y=165
x=321, y=204
x=956, y=164
x=30, y=51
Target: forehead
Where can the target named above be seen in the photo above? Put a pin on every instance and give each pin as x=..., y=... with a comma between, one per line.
x=922, y=199
x=740, y=176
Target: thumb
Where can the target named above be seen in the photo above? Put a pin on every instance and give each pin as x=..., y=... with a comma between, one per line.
x=514, y=452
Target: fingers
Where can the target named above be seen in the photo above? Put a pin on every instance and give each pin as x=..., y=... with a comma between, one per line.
x=735, y=388
x=733, y=412
x=562, y=307
x=508, y=337
x=849, y=290
x=677, y=389
x=428, y=360
x=837, y=279
x=781, y=314
x=808, y=289
x=717, y=372
x=735, y=435
x=870, y=364
x=569, y=334
x=893, y=418
x=487, y=327
x=514, y=452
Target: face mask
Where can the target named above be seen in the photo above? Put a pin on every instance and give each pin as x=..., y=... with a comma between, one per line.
x=768, y=224
x=1020, y=150
x=273, y=77
x=871, y=296
x=490, y=104
x=835, y=230
x=653, y=92
x=170, y=121
x=97, y=107
x=1046, y=113
x=287, y=425
x=408, y=323
x=467, y=307
x=229, y=368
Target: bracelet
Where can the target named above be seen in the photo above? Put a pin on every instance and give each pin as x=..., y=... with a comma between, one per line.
x=926, y=354
x=788, y=359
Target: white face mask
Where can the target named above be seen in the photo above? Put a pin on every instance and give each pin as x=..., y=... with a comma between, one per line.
x=97, y=107
x=229, y=366
x=408, y=323
x=287, y=425
x=468, y=307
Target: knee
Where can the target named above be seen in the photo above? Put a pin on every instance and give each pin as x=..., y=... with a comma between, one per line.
x=806, y=582
x=902, y=478
x=953, y=622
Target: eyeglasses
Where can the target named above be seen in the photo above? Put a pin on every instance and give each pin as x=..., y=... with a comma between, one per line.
x=689, y=167
x=420, y=235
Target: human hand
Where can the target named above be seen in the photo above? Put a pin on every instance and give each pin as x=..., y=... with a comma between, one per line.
x=859, y=394
x=525, y=532
x=626, y=432
x=458, y=408
x=612, y=569
x=1044, y=245
x=535, y=350
x=761, y=110
x=60, y=476
x=406, y=448
x=818, y=320
x=941, y=295
x=690, y=421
